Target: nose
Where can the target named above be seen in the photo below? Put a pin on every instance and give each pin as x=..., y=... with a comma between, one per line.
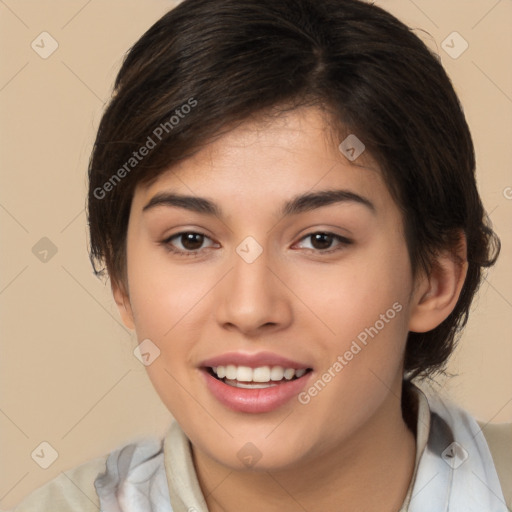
x=253, y=297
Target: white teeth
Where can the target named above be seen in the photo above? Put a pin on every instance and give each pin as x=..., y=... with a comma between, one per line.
x=231, y=372
x=249, y=385
x=277, y=373
x=289, y=373
x=243, y=374
x=260, y=374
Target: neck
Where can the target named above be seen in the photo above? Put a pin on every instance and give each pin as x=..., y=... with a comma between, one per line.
x=379, y=457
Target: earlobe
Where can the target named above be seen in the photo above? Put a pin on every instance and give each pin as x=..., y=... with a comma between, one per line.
x=436, y=295
x=123, y=303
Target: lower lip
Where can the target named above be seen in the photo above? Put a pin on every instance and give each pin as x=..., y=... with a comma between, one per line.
x=254, y=400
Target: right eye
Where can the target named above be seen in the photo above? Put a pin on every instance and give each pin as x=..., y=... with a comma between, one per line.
x=191, y=243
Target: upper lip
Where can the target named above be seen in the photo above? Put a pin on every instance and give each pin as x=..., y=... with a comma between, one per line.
x=253, y=360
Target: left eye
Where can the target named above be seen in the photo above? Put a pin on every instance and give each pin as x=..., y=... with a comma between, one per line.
x=322, y=241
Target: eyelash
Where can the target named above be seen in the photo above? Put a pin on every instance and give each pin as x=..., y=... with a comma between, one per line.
x=343, y=242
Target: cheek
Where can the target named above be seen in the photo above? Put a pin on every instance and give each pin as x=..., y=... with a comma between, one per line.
x=362, y=363
x=363, y=305
x=166, y=302
x=163, y=295
x=362, y=290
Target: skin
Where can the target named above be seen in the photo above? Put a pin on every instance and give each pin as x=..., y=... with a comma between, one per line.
x=295, y=300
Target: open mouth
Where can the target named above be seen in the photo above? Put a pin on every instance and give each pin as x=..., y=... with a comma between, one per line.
x=255, y=378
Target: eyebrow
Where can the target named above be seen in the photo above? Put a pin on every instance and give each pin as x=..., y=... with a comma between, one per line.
x=298, y=204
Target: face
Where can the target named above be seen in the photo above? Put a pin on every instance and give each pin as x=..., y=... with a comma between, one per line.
x=271, y=260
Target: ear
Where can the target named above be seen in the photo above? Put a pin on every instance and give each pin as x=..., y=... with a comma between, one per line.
x=436, y=294
x=123, y=303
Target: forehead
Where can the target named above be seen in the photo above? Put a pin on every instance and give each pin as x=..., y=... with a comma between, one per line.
x=266, y=160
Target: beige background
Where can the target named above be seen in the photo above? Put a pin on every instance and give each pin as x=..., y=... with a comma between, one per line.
x=68, y=375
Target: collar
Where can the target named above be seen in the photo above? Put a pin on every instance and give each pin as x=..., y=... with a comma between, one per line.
x=454, y=470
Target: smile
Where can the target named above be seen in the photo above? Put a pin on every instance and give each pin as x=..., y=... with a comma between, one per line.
x=254, y=389
x=255, y=378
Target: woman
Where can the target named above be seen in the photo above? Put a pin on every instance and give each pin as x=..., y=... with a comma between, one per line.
x=283, y=197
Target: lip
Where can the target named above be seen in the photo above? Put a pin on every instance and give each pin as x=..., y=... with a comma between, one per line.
x=254, y=400
x=253, y=360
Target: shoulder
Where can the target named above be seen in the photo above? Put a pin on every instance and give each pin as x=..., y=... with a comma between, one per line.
x=499, y=440
x=70, y=491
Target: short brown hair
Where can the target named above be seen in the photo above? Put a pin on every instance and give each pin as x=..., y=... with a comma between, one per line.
x=240, y=58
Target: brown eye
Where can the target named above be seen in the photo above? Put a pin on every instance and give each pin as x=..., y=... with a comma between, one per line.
x=321, y=241
x=188, y=243
x=325, y=242
x=192, y=241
